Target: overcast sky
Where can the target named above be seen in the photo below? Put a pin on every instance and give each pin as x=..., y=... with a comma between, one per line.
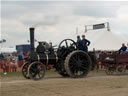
x=55, y=20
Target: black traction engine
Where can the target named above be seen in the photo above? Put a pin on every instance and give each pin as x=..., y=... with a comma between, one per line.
x=67, y=60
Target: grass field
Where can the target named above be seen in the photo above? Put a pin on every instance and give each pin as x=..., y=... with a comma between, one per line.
x=49, y=73
x=11, y=74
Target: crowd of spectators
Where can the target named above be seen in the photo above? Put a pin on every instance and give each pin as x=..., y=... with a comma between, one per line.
x=11, y=62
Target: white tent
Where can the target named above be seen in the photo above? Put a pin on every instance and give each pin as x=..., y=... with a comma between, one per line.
x=105, y=40
x=8, y=50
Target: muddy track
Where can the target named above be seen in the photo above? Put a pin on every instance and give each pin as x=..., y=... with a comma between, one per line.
x=101, y=85
x=61, y=78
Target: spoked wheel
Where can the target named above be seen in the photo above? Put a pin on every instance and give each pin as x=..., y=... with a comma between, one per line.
x=77, y=64
x=110, y=70
x=121, y=70
x=36, y=70
x=67, y=43
x=25, y=70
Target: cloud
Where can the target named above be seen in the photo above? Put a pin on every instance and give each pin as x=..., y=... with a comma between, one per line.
x=55, y=21
x=47, y=21
x=119, y=24
x=100, y=12
x=14, y=32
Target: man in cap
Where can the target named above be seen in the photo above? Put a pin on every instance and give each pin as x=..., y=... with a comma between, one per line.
x=79, y=42
x=85, y=43
x=127, y=49
x=123, y=49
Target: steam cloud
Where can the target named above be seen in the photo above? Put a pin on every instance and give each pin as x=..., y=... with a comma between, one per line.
x=48, y=21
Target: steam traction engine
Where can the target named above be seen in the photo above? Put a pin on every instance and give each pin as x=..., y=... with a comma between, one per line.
x=67, y=60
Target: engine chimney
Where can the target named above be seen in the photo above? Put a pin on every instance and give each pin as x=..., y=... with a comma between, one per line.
x=32, y=39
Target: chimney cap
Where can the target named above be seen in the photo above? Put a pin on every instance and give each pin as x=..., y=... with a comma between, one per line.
x=32, y=28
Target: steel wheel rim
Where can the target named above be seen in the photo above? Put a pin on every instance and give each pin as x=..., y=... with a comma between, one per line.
x=25, y=70
x=36, y=71
x=78, y=65
x=77, y=68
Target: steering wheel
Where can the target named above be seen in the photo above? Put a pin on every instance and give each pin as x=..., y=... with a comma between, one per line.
x=68, y=43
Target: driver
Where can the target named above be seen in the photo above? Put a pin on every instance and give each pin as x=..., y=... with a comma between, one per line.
x=127, y=49
x=85, y=43
x=79, y=42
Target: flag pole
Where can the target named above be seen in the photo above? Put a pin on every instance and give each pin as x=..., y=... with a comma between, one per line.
x=85, y=28
x=108, y=27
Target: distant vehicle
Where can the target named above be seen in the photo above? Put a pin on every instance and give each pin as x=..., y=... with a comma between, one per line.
x=2, y=57
x=25, y=48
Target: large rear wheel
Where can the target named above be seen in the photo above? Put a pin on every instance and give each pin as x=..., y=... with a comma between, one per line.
x=77, y=64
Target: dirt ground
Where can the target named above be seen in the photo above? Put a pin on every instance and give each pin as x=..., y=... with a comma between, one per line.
x=54, y=85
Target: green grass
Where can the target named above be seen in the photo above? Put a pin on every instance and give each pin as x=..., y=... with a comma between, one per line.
x=51, y=72
x=12, y=74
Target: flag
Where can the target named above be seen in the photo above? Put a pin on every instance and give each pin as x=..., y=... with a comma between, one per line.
x=35, y=40
x=4, y=40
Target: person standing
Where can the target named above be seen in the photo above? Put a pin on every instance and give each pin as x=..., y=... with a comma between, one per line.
x=13, y=66
x=3, y=64
x=4, y=68
x=122, y=50
x=8, y=63
x=20, y=59
x=79, y=42
x=127, y=49
x=85, y=43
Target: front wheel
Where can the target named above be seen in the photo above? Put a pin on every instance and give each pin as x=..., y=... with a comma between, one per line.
x=25, y=70
x=36, y=70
